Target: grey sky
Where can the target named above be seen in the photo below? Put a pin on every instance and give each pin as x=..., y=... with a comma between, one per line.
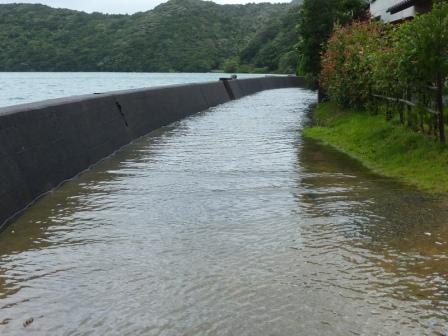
x=116, y=6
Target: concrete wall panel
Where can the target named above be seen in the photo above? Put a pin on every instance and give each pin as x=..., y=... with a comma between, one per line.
x=43, y=144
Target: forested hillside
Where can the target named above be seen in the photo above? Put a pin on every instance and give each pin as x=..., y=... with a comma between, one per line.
x=180, y=35
x=274, y=46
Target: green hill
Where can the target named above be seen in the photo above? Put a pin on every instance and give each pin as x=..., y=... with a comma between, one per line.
x=180, y=35
x=274, y=46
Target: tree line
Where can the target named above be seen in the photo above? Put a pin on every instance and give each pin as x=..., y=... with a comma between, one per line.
x=179, y=35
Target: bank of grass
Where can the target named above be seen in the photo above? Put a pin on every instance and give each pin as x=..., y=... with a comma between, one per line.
x=385, y=147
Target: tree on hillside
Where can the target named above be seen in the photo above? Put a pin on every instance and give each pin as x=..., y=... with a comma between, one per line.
x=274, y=46
x=316, y=21
x=178, y=35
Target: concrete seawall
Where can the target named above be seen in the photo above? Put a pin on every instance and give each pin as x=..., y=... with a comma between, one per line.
x=46, y=143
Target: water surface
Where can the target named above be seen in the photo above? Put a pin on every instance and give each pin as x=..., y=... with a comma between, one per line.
x=27, y=87
x=228, y=223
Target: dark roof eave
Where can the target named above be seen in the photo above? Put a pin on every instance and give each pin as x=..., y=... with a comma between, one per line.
x=401, y=6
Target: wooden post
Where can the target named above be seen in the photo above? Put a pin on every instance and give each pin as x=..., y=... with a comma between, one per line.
x=421, y=122
x=408, y=110
x=440, y=109
x=408, y=117
x=401, y=116
x=320, y=94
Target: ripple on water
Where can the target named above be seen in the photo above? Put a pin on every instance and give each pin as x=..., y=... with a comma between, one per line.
x=228, y=223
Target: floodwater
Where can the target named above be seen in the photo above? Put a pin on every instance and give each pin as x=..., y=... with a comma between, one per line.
x=228, y=223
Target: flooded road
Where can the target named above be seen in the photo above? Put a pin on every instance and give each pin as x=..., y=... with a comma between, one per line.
x=228, y=223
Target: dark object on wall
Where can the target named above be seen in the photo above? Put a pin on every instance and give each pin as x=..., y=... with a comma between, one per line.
x=46, y=143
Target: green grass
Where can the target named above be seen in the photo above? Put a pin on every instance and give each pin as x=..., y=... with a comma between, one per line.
x=385, y=147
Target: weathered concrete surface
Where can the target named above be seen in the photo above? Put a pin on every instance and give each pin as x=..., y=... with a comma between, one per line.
x=46, y=143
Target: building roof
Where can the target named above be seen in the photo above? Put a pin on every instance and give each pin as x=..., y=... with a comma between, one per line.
x=402, y=5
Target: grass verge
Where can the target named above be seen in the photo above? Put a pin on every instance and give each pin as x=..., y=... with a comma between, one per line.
x=385, y=147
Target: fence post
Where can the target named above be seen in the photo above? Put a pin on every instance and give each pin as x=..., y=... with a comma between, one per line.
x=440, y=108
x=401, y=111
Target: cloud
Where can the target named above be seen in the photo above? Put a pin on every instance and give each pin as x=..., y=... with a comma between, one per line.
x=115, y=6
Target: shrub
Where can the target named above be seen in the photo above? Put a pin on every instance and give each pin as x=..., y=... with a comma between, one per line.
x=369, y=60
x=348, y=63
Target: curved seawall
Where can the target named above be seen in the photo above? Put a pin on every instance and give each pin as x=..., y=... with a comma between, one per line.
x=46, y=143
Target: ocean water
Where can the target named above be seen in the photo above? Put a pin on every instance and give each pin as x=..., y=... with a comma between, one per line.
x=27, y=87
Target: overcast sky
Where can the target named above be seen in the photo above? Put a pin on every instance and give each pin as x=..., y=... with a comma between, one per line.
x=117, y=6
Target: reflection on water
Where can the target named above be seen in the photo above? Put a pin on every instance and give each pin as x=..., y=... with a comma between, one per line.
x=229, y=223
